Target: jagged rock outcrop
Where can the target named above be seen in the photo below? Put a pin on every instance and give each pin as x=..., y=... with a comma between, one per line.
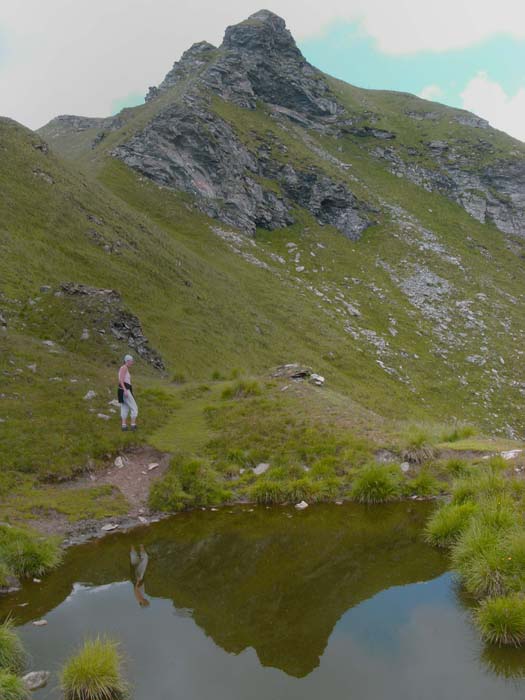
x=189, y=148
x=258, y=60
x=66, y=124
x=106, y=306
x=489, y=192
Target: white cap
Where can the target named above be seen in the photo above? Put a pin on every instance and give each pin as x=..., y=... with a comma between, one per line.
x=127, y=358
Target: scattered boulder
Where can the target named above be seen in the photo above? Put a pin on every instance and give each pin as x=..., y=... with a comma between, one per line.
x=261, y=468
x=109, y=527
x=119, y=462
x=90, y=395
x=301, y=505
x=317, y=379
x=36, y=679
x=12, y=585
x=40, y=623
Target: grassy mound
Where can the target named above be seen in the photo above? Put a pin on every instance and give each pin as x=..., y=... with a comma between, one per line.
x=94, y=673
x=483, y=526
x=188, y=482
x=12, y=687
x=12, y=653
x=501, y=621
x=25, y=554
x=376, y=484
x=448, y=523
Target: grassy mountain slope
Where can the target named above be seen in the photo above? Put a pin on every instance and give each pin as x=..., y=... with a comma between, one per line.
x=421, y=318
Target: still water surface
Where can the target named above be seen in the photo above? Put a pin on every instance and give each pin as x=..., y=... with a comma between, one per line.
x=333, y=602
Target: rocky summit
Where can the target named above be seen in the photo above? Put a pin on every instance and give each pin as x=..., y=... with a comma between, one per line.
x=187, y=146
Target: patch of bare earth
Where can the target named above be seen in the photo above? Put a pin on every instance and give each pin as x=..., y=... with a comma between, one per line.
x=132, y=473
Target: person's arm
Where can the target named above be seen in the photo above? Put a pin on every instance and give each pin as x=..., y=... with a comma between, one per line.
x=121, y=376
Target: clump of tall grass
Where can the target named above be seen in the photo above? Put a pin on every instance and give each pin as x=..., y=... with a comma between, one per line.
x=241, y=389
x=448, y=523
x=267, y=491
x=12, y=687
x=188, y=483
x=458, y=432
x=424, y=484
x=12, y=653
x=456, y=467
x=167, y=495
x=501, y=620
x=5, y=573
x=376, y=484
x=27, y=554
x=418, y=447
x=94, y=673
x=478, y=486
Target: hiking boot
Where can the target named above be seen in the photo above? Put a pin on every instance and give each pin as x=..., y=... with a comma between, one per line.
x=125, y=428
x=133, y=427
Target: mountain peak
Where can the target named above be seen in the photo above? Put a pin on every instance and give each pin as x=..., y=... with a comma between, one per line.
x=264, y=30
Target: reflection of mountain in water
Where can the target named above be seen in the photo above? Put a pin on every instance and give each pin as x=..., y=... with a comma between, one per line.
x=264, y=579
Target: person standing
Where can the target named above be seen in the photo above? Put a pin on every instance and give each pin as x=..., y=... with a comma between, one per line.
x=125, y=395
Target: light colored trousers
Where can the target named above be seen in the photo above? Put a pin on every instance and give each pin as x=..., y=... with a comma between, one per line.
x=129, y=405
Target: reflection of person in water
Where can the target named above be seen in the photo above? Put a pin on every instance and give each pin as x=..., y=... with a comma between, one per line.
x=139, y=562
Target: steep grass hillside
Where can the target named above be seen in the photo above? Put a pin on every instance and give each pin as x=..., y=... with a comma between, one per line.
x=409, y=300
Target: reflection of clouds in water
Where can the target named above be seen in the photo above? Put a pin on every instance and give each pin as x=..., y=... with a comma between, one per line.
x=79, y=588
x=437, y=658
x=436, y=655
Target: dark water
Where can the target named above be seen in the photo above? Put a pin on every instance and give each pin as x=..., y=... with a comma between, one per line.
x=333, y=602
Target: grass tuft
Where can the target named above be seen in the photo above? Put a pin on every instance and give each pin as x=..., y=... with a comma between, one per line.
x=94, y=673
x=501, y=620
x=448, y=523
x=12, y=687
x=242, y=389
x=13, y=657
x=26, y=553
x=376, y=484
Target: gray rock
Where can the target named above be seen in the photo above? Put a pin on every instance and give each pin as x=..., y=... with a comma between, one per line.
x=261, y=468
x=12, y=585
x=107, y=304
x=90, y=395
x=36, y=679
x=188, y=147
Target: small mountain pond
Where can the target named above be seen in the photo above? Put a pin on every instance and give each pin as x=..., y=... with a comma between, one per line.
x=251, y=603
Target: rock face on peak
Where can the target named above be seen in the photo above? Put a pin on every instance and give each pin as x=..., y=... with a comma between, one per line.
x=189, y=148
x=220, y=124
x=257, y=60
x=192, y=60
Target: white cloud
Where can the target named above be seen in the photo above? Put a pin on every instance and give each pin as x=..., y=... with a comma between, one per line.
x=489, y=100
x=78, y=57
x=431, y=92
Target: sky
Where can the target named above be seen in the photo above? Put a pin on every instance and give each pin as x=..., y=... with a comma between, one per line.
x=94, y=58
